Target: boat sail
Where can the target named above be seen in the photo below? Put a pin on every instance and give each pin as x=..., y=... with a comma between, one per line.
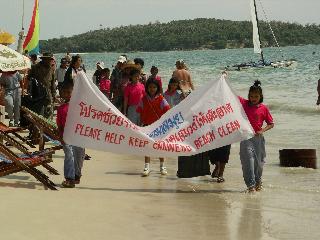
x=31, y=42
x=257, y=46
x=255, y=29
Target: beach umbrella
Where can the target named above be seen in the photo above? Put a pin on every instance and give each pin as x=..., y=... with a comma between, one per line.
x=6, y=38
x=10, y=60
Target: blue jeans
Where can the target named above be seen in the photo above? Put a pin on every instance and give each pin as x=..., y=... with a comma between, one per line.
x=133, y=116
x=252, y=156
x=12, y=104
x=73, y=161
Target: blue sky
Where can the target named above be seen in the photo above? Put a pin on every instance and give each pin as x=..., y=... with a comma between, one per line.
x=70, y=17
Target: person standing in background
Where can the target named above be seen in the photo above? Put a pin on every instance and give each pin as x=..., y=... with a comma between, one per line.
x=115, y=88
x=61, y=71
x=97, y=74
x=74, y=68
x=184, y=77
x=43, y=72
x=143, y=76
x=105, y=82
x=154, y=75
x=10, y=81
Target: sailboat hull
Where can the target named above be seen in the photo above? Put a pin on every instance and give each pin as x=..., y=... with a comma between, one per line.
x=261, y=65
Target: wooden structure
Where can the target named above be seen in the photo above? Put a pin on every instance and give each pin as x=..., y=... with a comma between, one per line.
x=48, y=130
x=15, y=132
x=26, y=163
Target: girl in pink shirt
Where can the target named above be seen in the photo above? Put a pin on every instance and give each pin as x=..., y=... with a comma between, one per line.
x=252, y=151
x=105, y=82
x=133, y=93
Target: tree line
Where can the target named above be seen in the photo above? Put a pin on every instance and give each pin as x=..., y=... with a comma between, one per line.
x=201, y=33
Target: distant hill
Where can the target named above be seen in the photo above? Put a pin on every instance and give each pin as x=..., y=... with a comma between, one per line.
x=199, y=33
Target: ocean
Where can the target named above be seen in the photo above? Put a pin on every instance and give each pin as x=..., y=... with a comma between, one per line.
x=289, y=206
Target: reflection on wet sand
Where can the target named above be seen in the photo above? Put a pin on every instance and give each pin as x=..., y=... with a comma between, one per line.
x=250, y=221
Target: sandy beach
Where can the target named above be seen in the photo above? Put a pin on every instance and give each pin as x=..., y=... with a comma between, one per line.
x=114, y=202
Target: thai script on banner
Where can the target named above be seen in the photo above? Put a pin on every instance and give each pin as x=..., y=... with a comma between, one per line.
x=172, y=122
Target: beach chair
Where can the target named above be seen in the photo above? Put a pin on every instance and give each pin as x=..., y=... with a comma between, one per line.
x=14, y=131
x=47, y=153
x=14, y=163
x=48, y=130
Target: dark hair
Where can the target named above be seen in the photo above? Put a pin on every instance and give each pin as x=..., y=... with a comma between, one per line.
x=153, y=68
x=139, y=61
x=133, y=72
x=152, y=81
x=74, y=59
x=105, y=70
x=256, y=87
x=174, y=80
x=66, y=85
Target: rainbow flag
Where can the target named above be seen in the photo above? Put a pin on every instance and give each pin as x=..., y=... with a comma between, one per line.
x=31, y=43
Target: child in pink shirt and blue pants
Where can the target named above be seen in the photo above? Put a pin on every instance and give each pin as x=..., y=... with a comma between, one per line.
x=74, y=156
x=133, y=93
x=252, y=151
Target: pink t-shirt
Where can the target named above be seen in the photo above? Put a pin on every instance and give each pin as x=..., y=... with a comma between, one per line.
x=256, y=114
x=105, y=85
x=134, y=92
x=62, y=112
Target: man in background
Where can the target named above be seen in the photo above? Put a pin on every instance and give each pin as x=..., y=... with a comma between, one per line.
x=184, y=78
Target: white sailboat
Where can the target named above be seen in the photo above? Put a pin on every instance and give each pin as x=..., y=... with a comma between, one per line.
x=262, y=63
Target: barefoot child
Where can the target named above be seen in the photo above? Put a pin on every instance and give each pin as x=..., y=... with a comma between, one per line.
x=74, y=155
x=252, y=151
x=151, y=108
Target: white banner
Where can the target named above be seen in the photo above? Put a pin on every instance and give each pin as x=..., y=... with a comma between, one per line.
x=209, y=117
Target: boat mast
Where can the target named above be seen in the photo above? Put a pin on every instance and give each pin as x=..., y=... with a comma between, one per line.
x=255, y=9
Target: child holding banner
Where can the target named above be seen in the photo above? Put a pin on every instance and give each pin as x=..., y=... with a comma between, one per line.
x=252, y=151
x=74, y=156
x=152, y=106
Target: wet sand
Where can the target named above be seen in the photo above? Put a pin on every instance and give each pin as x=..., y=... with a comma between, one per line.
x=114, y=202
